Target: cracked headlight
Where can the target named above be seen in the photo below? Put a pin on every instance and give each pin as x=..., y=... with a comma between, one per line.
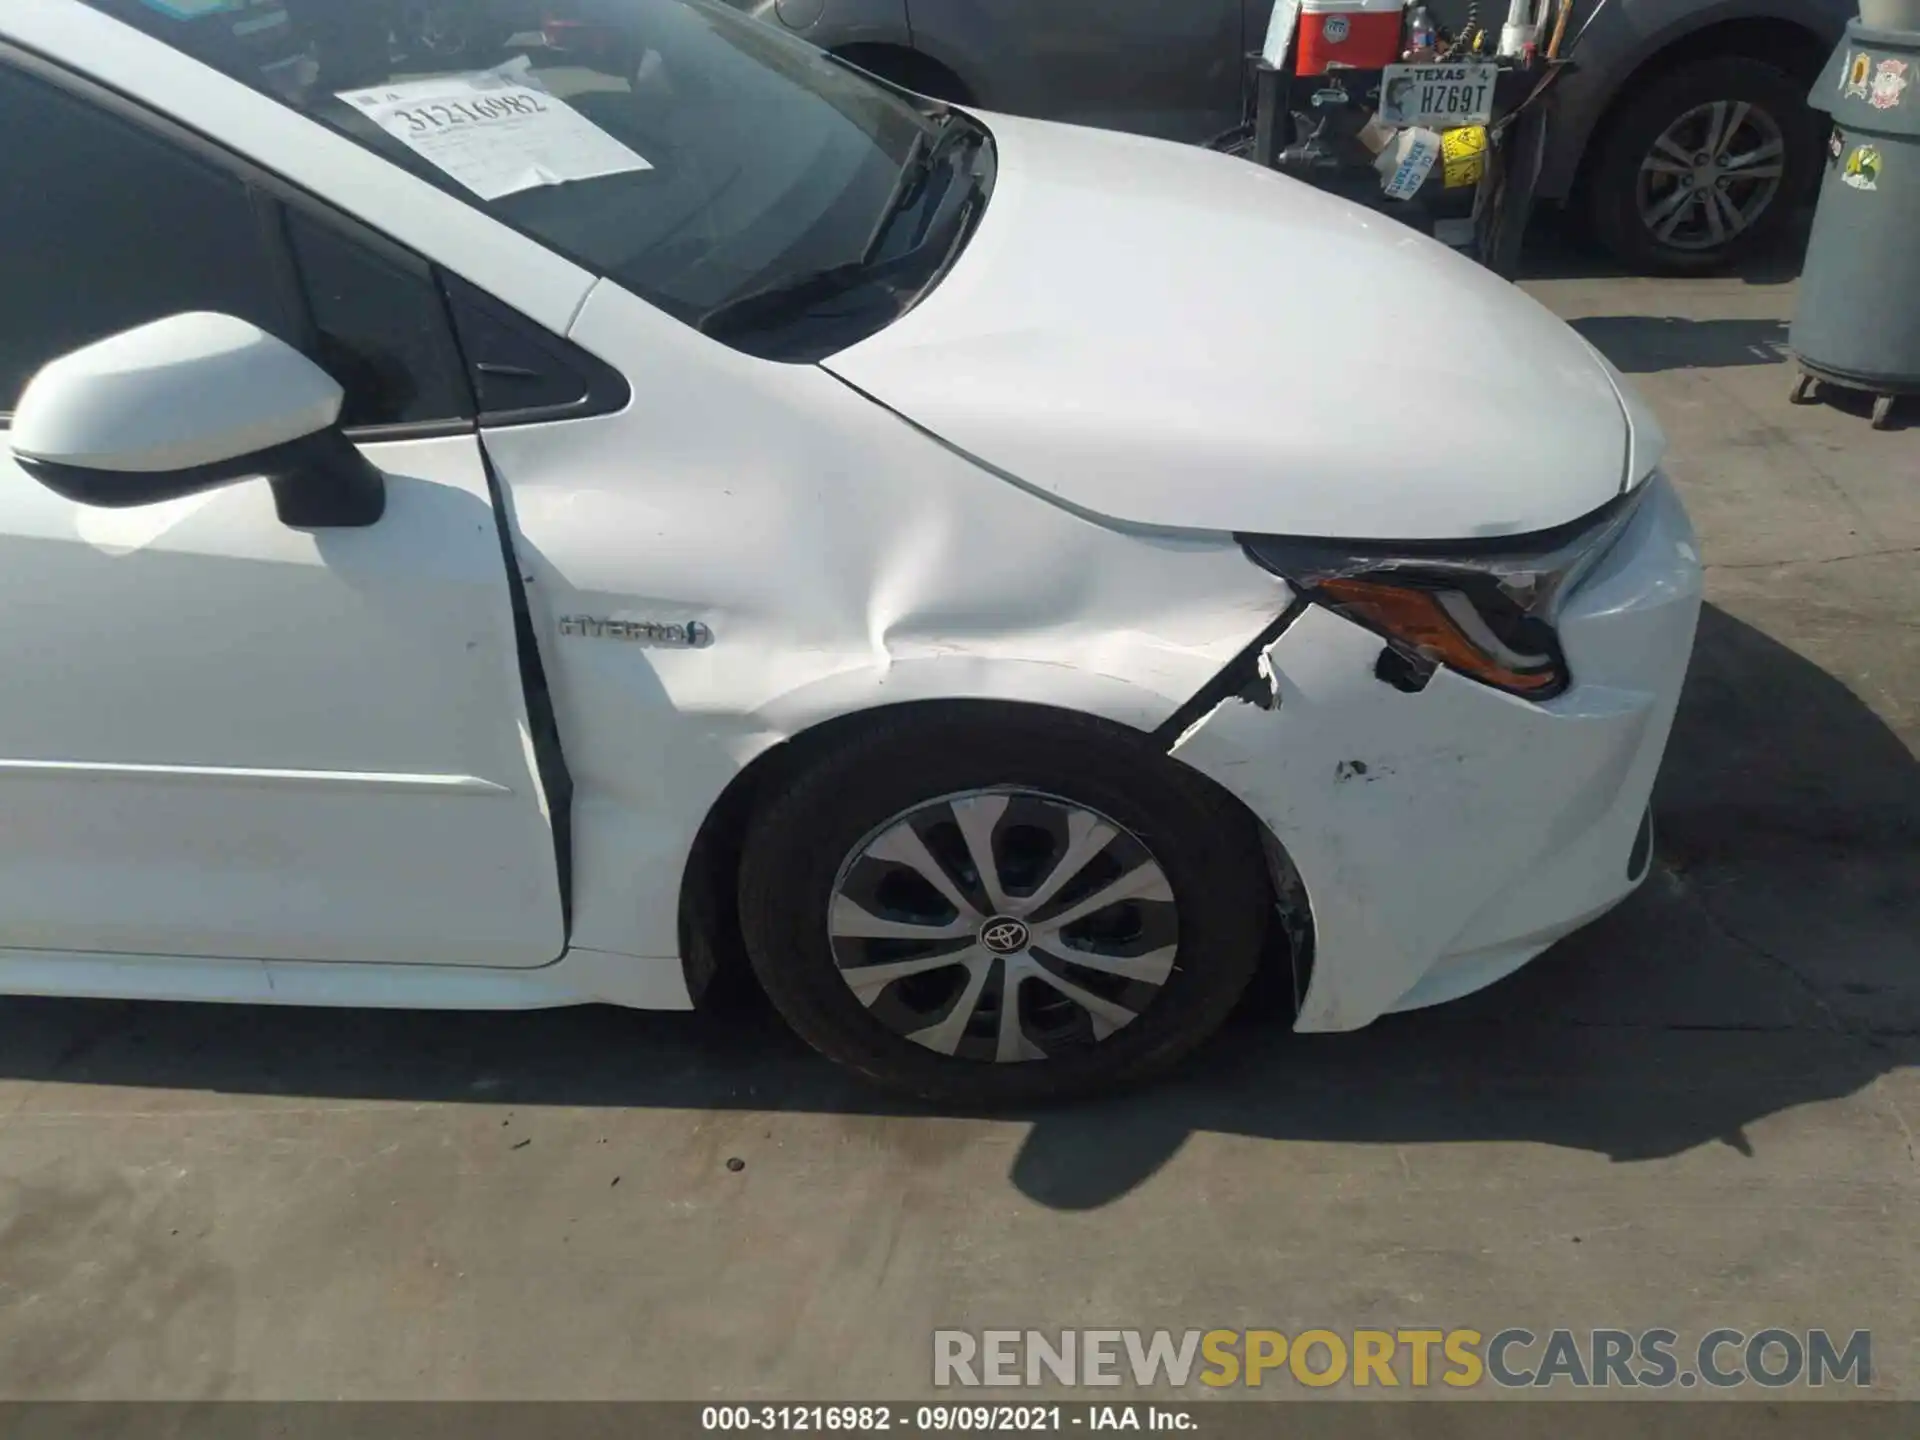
x=1485, y=608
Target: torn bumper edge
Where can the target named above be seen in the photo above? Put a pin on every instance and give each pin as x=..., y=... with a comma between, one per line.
x=1442, y=838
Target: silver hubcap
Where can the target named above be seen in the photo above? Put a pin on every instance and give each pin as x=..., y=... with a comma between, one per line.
x=1711, y=175
x=1003, y=925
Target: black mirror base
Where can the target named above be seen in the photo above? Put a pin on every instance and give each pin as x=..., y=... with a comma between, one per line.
x=328, y=485
x=320, y=481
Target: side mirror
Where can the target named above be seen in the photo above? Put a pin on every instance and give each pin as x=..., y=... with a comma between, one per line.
x=189, y=403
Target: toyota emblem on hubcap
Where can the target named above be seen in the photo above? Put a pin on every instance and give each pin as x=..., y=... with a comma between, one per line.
x=1003, y=936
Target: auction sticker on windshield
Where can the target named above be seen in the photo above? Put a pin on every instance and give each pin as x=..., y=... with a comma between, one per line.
x=1439, y=95
x=497, y=132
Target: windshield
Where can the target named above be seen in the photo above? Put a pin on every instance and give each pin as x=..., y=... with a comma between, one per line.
x=736, y=177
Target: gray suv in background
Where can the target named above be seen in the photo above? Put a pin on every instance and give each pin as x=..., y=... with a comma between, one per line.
x=1684, y=138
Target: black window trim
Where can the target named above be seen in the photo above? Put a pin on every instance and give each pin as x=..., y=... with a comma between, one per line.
x=274, y=203
x=605, y=390
x=272, y=195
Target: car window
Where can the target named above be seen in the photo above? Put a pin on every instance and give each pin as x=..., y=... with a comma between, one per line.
x=380, y=328
x=104, y=227
x=694, y=154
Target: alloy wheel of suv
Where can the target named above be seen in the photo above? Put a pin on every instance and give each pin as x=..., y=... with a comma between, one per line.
x=1711, y=175
x=1702, y=165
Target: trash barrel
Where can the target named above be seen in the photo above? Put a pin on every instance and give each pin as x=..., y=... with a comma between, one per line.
x=1890, y=14
x=1858, y=321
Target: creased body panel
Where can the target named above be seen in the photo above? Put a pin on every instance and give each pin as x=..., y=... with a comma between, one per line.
x=1445, y=837
x=842, y=560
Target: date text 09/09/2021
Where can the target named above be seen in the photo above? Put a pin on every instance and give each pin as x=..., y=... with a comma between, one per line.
x=942, y=1419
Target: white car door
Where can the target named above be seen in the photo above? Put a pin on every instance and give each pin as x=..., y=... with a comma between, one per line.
x=222, y=736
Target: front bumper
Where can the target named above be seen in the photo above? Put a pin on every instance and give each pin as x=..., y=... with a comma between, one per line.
x=1446, y=837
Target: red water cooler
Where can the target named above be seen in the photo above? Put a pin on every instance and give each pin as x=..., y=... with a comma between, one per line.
x=1355, y=34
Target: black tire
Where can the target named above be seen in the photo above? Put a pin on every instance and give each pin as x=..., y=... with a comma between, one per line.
x=1612, y=185
x=1207, y=848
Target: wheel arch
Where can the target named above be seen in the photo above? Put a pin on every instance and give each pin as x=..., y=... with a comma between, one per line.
x=712, y=951
x=909, y=67
x=1775, y=39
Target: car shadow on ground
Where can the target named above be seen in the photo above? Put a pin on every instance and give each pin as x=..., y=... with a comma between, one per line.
x=1558, y=248
x=1773, y=960
x=1648, y=344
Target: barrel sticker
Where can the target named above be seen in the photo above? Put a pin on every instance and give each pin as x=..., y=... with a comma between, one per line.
x=1857, y=82
x=1863, y=168
x=1890, y=82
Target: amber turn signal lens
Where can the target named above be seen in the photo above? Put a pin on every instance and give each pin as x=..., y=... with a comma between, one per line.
x=1416, y=619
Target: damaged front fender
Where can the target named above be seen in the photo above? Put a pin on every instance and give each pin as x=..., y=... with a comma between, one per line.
x=839, y=561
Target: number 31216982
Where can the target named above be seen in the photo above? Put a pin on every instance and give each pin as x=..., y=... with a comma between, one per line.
x=450, y=114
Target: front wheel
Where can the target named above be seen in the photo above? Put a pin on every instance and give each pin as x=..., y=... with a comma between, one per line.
x=1002, y=908
x=1702, y=166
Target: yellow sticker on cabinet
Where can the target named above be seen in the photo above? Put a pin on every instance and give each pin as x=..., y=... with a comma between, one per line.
x=1464, y=152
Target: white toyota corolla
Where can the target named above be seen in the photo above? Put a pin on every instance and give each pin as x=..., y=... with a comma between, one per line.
x=519, y=512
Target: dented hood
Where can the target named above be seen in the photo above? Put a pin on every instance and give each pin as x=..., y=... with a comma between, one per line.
x=1171, y=337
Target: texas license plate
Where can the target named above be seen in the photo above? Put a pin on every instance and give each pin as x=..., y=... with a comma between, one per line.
x=1437, y=95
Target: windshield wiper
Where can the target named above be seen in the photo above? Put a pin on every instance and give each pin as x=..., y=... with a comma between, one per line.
x=925, y=156
x=799, y=292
